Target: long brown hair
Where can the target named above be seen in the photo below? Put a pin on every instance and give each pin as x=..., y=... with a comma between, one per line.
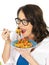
x=35, y=15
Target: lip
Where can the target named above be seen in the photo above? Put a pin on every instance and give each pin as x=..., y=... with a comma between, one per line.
x=23, y=30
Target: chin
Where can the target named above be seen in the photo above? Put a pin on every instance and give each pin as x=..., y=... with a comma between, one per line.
x=25, y=35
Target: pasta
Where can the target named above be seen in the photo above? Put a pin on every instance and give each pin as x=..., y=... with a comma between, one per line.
x=23, y=43
x=18, y=31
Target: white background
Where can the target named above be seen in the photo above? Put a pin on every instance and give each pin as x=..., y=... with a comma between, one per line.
x=8, y=11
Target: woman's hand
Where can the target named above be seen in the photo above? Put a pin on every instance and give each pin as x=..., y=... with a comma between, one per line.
x=23, y=52
x=26, y=54
x=6, y=34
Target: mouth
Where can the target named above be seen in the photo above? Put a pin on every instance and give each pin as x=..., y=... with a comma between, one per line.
x=23, y=31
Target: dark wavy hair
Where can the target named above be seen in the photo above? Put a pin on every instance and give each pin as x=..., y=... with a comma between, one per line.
x=35, y=15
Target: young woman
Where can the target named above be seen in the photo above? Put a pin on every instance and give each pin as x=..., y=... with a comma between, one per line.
x=30, y=21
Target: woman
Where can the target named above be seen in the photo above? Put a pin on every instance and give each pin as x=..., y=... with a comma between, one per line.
x=30, y=21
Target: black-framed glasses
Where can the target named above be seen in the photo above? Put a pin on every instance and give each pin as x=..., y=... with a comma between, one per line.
x=24, y=21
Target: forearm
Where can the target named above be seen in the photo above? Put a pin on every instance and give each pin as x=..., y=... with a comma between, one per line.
x=26, y=54
x=6, y=51
x=31, y=60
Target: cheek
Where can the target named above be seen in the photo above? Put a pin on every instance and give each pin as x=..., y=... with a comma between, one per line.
x=28, y=30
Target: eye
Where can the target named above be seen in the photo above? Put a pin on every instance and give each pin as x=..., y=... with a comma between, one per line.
x=17, y=21
x=25, y=22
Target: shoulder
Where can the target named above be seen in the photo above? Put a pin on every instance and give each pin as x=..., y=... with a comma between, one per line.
x=45, y=41
x=43, y=46
x=41, y=51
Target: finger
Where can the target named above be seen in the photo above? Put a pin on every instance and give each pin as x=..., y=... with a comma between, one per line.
x=29, y=49
x=17, y=49
x=4, y=37
x=6, y=34
x=5, y=31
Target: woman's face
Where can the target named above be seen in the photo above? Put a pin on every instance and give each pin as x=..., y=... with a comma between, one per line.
x=27, y=30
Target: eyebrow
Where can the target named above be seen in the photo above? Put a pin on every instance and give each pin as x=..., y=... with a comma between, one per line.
x=22, y=19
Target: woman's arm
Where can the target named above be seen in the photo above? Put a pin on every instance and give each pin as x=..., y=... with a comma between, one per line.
x=26, y=54
x=6, y=51
x=31, y=60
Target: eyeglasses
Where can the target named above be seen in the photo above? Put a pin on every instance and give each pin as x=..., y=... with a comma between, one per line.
x=24, y=22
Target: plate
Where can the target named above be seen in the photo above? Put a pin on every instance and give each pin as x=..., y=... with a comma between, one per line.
x=32, y=41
